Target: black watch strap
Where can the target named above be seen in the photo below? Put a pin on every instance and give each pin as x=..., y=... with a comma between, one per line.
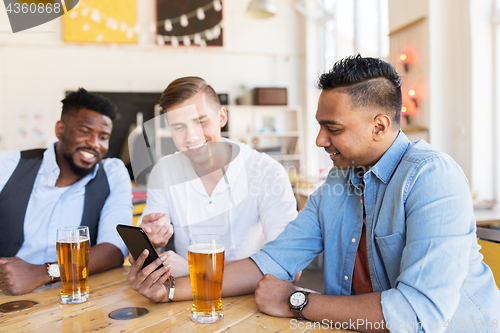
x=297, y=314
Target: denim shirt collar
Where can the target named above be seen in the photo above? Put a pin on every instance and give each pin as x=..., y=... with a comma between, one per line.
x=386, y=165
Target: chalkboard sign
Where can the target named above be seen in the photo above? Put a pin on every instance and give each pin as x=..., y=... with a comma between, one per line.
x=189, y=22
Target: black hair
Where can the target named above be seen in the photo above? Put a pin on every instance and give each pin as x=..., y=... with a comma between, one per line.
x=82, y=99
x=370, y=82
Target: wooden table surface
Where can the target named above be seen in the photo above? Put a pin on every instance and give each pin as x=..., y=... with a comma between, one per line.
x=110, y=291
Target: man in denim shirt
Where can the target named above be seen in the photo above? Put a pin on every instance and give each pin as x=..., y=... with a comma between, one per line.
x=394, y=218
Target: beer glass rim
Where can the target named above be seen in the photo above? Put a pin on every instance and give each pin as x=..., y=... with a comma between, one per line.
x=73, y=228
x=207, y=235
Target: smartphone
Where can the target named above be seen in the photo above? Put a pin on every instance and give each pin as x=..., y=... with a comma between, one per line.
x=136, y=240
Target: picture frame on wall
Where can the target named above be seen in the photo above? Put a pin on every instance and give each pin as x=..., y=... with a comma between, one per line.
x=189, y=22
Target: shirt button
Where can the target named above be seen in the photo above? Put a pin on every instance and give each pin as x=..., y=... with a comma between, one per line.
x=346, y=277
x=210, y=202
x=353, y=240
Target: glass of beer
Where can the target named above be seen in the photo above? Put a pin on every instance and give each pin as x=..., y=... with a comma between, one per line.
x=206, y=269
x=73, y=252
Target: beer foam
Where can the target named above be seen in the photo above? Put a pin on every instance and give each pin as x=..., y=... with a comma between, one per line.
x=206, y=248
x=73, y=240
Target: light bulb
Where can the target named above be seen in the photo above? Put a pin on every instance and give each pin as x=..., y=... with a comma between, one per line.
x=95, y=16
x=168, y=25
x=200, y=14
x=411, y=92
x=217, y=5
x=197, y=39
x=402, y=57
x=174, y=41
x=186, y=41
x=184, y=21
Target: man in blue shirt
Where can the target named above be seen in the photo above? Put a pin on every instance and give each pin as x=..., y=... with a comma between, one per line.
x=394, y=218
x=68, y=184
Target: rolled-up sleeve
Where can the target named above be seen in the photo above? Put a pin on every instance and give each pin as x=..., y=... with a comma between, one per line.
x=295, y=247
x=277, y=204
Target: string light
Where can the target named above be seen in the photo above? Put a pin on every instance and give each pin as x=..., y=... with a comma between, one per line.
x=217, y=5
x=174, y=41
x=112, y=24
x=184, y=21
x=198, y=38
x=200, y=14
x=96, y=16
x=168, y=25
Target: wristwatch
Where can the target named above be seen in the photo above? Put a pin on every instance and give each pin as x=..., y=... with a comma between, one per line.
x=53, y=271
x=298, y=301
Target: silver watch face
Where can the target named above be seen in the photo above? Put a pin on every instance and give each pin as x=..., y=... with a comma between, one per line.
x=297, y=299
x=54, y=271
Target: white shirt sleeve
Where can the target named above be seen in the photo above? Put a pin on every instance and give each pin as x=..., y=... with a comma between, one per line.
x=158, y=192
x=118, y=208
x=277, y=204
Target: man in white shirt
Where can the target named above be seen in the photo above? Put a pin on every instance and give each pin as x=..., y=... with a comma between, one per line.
x=213, y=185
x=68, y=184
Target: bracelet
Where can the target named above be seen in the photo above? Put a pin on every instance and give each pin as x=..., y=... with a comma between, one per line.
x=172, y=289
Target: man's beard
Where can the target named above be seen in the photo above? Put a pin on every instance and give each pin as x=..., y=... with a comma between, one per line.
x=80, y=172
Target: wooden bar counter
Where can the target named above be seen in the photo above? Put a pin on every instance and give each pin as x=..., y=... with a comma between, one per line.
x=110, y=291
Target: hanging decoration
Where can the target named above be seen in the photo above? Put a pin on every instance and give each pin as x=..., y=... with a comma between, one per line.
x=189, y=22
x=101, y=21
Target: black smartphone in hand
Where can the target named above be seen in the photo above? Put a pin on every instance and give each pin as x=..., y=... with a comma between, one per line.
x=136, y=240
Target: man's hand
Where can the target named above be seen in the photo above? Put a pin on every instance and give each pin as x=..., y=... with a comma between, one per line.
x=180, y=266
x=148, y=282
x=158, y=228
x=272, y=294
x=20, y=277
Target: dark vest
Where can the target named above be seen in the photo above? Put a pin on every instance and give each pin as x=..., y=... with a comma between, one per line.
x=16, y=193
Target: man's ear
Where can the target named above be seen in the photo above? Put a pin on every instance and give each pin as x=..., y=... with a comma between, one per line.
x=382, y=123
x=222, y=116
x=60, y=128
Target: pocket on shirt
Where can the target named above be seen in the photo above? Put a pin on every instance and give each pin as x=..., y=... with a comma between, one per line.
x=391, y=250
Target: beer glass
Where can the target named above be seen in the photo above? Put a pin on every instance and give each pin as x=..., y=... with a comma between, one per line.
x=206, y=269
x=73, y=252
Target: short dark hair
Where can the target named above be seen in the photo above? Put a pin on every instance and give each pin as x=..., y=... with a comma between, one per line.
x=370, y=82
x=184, y=88
x=81, y=99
